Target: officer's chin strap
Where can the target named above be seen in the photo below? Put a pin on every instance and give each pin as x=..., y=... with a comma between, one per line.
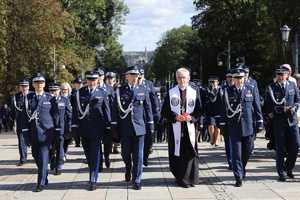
x=15, y=104
x=124, y=111
x=238, y=109
x=283, y=100
x=82, y=113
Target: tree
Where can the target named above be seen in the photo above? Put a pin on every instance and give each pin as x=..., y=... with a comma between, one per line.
x=252, y=26
x=174, y=51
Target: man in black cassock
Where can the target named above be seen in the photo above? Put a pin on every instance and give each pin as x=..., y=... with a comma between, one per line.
x=182, y=109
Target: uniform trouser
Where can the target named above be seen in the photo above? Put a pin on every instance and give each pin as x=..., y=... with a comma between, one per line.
x=228, y=149
x=287, y=141
x=57, y=152
x=148, y=143
x=40, y=153
x=76, y=135
x=107, y=146
x=107, y=143
x=132, y=154
x=241, y=151
x=91, y=147
x=23, y=143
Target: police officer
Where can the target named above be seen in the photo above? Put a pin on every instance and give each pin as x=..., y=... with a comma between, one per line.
x=110, y=80
x=107, y=137
x=132, y=102
x=77, y=84
x=63, y=119
x=40, y=108
x=155, y=105
x=94, y=119
x=282, y=102
x=242, y=102
x=214, y=108
x=22, y=125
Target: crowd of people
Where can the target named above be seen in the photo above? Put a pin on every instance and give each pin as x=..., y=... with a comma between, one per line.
x=103, y=116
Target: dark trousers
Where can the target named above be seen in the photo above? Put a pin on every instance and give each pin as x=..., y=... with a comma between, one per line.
x=241, y=151
x=23, y=143
x=228, y=149
x=132, y=154
x=91, y=149
x=40, y=153
x=57, y=152
x=148, y=143
x=287, y=142
x=75, y=133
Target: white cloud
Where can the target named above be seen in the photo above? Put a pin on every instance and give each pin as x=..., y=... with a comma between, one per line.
x=149, y=19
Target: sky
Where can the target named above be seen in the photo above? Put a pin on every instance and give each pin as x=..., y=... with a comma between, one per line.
x=149, y=19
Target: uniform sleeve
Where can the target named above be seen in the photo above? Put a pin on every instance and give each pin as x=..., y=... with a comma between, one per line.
x=106, y=111
x=297, y=98
x=148, y=112
x=267, y=102
x=114, y=111
x=13, y=109
x=154, y=103
x=74, y=110
x=68, y=115
x=257, y=109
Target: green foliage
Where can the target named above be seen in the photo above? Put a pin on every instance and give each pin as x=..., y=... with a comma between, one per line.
x=252, y=26
x=57, y=37
x=174, y=51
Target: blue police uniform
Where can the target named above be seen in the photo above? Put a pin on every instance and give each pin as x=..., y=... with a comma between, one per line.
x=63, y=117
x=281, y=103
x=241, y=104
x=41, y=112
x=131, y=103
x=94, y=117
x=155, y=106
x=22, y=125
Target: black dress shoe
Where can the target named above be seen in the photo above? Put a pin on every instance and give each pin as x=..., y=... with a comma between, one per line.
x=181, y=184
x=145, y=163
x=107, y=163
x=137, y=186
x=290, y=174
x=92, y=187
x=282, y=178
x=19, y=164
x=192, y=185
x=57, y=172
x=238, y=183
x=39, y=188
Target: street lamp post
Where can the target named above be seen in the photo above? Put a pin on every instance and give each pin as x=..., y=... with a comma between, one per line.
x=228, y=55
x=285, y=34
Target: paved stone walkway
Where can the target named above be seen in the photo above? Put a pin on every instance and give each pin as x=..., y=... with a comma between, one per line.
x=216, y=182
